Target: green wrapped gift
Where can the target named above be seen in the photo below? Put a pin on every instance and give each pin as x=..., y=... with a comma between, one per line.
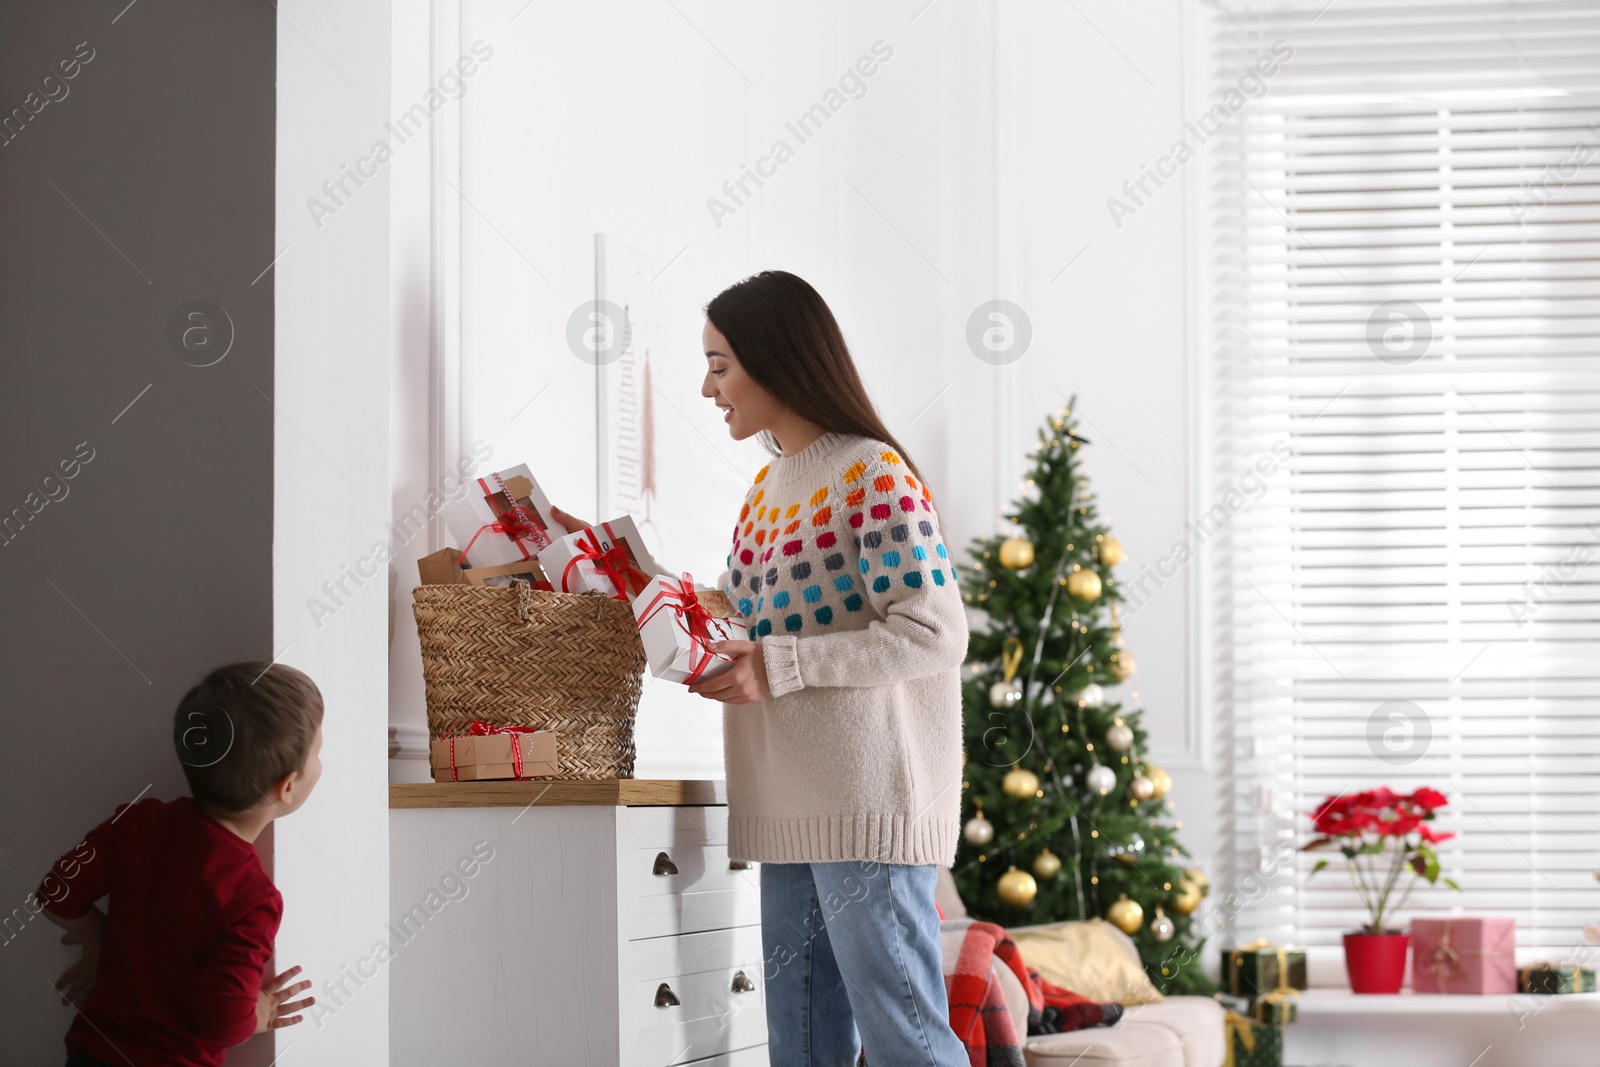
x=1259, y=968
x=1252, y=1044
x=1275, y=1009
x=1549, y=978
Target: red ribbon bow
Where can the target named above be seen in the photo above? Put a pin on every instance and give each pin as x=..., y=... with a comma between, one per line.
x=615, y=562
x=479, y=728
x=691, y=617
x=516, y=522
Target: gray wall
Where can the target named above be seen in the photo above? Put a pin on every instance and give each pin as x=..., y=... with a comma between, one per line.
x=154, y=563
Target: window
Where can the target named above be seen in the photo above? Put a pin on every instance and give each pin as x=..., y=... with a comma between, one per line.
x=1405, y=416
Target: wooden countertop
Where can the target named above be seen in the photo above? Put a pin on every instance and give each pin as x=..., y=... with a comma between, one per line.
x=625, y=792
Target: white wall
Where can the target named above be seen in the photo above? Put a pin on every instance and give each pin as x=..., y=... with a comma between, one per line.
x=978, y=165
x=331, y=501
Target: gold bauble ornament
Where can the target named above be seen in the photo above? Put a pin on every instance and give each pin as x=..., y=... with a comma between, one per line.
x=1018, y=888
x=1187, y=897
x=1083, y=585
x=1141, y=787
x=1126, y=915
x=1121, y=664
x=1016, y=553
x=1006, y=694
x=1047, y=865
x=1019, y=783
x=1160, y=779
x=1111, y=552
x=1197, y=876
x=1161, y=927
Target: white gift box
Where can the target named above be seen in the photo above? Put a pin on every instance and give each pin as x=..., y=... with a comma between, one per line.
x=672, y=649
x=572, y=565
x=509, y=496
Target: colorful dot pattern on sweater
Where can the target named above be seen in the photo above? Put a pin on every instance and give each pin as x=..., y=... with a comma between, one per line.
x=806, y=559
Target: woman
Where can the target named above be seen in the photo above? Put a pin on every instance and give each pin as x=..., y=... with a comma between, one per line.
x=842, y=725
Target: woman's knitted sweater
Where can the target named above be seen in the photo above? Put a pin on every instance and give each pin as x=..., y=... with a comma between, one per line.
x=841, y=573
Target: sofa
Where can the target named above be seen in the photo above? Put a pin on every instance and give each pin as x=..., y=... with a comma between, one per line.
x=1178, y=1032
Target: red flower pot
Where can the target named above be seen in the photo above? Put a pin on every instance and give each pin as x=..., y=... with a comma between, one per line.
x=1376, y=963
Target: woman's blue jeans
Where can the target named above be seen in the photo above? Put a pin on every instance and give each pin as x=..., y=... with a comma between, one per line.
x=852, y=956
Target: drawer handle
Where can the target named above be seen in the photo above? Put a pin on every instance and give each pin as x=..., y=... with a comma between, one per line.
x=665, y=997
x=664, y=865
x=738, y=865
x=742, y=984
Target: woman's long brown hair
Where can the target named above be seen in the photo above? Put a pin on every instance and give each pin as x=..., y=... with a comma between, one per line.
x=786, y=339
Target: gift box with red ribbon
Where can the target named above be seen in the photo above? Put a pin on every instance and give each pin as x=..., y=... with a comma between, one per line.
x=610, y=558
x=511, y=520
x=1464, y=954
x=677, y=629
x=489, y=752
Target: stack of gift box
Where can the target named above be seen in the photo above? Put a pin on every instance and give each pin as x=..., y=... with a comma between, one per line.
x=1259, y=983
x=511, y=536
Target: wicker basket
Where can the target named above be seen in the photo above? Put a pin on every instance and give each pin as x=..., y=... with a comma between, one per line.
x=568, y=662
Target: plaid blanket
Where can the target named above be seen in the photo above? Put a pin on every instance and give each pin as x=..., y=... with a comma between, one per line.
x=978, y=1010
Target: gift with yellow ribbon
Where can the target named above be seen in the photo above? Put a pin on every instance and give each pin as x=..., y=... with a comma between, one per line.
x=1262, y=969
x=1546, y=978
x=1251, y=1044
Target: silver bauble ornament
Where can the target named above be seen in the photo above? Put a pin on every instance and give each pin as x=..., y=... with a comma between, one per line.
x=1090, y=696
x=978, y=831
x=1161, y=927
x=1119, y=736
x=1102, y=779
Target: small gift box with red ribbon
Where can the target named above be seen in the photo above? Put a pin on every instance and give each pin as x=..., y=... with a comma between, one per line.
x=512, y=524
x=1464, y=954
x=488, y=752
x=677, y=629
x=610, y=558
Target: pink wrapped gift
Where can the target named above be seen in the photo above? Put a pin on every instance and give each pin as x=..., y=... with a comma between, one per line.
x=1464, y=954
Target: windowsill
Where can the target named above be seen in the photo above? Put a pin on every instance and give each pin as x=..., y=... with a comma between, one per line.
x=1319, y=1002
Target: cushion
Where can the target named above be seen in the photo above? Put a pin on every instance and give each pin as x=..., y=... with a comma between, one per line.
x=1123, y=1045
x=1197, y=1021
x=1089, y=959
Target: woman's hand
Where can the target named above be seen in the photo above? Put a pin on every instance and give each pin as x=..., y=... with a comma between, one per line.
x=272, y=1011
x=743, y=683
x=88, y=931
x=573, y=525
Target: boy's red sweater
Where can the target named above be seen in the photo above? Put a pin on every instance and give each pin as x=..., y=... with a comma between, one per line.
x=188, y=936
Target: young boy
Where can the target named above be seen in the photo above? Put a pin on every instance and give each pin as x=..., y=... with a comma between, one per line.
x=176, y=973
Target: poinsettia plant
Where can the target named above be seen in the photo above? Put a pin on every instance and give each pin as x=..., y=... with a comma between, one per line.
x=1384, y=836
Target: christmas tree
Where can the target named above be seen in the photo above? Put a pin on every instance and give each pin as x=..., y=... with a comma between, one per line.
x=1064, y=818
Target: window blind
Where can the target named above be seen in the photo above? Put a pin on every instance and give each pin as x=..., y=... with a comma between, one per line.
x=1405, y=409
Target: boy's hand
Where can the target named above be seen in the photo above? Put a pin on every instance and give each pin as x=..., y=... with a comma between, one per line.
x=271, y=1011
x=573, y=525
x=743, y=683
x=78, y=979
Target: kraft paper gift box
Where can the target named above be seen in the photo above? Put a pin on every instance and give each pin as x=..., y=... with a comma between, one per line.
x=1552, y=978
x=495, y=753
x=610, y=558
x=441, y=568
x=444, y=567
x=1464, y=954
x=677, y=629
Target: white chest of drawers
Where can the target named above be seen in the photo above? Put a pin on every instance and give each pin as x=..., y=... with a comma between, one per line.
x=607, y=926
